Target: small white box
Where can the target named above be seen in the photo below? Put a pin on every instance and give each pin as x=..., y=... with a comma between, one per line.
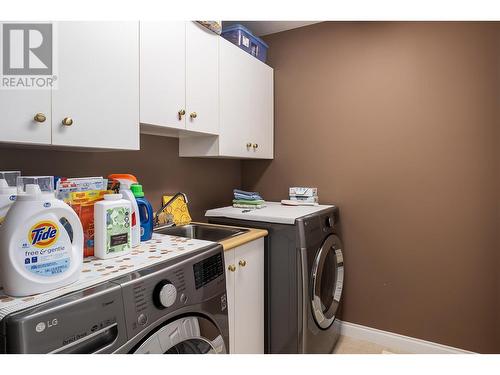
x=303, y=191
x=301, y=198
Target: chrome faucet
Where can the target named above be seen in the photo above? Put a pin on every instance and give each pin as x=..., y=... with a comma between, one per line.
x=170, y=222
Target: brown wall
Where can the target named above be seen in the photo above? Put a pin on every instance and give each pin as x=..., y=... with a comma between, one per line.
x=397, y=123
x=208, y=183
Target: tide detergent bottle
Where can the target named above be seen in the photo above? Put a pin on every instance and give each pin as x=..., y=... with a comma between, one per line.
x=145, y=212
x=41, y=240
x=8, y=192
x=126, y=181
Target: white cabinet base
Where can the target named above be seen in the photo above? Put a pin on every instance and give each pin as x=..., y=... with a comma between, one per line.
x=245, y=294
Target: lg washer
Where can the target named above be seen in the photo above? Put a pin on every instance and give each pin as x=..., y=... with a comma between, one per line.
x=174, y=307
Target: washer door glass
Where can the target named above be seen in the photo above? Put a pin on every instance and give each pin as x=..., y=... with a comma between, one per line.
x=187, y=335
x=327, y=280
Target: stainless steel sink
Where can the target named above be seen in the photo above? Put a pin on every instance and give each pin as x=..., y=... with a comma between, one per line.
x=201, y=232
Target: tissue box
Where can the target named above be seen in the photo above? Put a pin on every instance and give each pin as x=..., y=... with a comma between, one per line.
x=301, y=198
x=303, y=192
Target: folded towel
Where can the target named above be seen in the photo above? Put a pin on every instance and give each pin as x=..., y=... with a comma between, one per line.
x=245, y=192
x=249, y=206
x=247, y=201
x=248, y=195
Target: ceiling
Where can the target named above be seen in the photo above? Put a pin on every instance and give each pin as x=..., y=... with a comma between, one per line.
x=261, y=28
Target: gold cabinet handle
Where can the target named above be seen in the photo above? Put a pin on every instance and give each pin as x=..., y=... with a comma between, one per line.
x=67, y=121
x=193, y=115
x=249, y=145
x=40, y=117
x=255, y=146
x=181, y=113
x=242, y=263
x=231, y=267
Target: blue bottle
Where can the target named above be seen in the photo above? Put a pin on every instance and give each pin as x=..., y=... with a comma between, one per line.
x=145, y=212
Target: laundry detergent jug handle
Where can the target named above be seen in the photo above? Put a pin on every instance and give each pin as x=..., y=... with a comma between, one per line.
x=147, y=220
x=60, y=209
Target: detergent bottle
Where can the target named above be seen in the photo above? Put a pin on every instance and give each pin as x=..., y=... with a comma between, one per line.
x=126, y=181
x=112, y=227
x=145, y=212
x=8, y=192
x=41, y=240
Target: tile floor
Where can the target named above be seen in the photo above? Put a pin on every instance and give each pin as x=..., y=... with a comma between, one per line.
x=349, y=345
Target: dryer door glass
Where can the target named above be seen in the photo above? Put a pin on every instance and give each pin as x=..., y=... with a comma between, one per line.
x=187, y=335
x=327, y=279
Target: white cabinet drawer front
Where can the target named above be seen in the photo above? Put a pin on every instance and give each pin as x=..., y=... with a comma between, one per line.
x=163, y=73
x=98, y=86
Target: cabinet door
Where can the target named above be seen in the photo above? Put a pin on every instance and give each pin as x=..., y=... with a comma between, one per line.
x=163, y=73
x=249, y=298
x=246, y=104
x=18, y=109
x=230, y=288
x=202, y=79
x=98, y=85
x=262, y=128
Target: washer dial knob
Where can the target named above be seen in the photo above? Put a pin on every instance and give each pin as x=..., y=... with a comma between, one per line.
x=166, y=294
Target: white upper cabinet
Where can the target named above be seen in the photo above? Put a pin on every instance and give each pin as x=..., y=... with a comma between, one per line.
x=163, y=74
x=115, y=79
x=179, y=79
x=246, y=104
x=246, y=109
x=96, y=103
x=202, y=79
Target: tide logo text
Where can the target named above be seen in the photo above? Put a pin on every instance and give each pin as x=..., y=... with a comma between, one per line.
x=43, y=234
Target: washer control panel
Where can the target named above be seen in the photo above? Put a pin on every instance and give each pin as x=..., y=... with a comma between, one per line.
x=151, y=294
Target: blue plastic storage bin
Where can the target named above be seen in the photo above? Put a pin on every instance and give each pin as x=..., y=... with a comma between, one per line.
x=243, y=38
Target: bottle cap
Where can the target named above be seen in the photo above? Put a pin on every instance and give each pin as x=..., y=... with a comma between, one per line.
x=137, y=190
x=112, y=197
x=45, y=184
x=10, y=177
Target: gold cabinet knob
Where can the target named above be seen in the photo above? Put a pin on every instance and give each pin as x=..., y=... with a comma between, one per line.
x=193, y=115
x=231, y=267
x=249, y=145
x=67, y=121
x=181, y=113
x=242, y=263
x=40, y=117
x=255, y=146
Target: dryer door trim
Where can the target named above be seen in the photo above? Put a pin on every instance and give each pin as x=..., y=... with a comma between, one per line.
x=183, y=336
x=333, y=275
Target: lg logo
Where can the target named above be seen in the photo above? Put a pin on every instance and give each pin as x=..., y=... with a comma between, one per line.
x=27, y=49
x=40, y=327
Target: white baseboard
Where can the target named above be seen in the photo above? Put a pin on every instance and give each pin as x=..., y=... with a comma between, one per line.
x=404, y=344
